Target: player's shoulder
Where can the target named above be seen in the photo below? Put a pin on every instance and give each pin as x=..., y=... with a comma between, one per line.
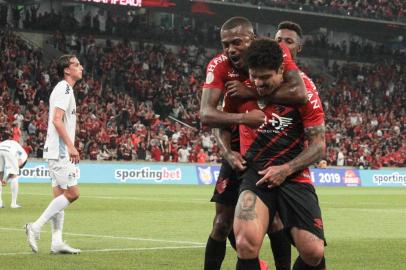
x=62, y=87
x=220, y=61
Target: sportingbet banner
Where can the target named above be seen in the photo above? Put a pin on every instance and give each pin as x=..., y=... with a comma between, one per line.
x=118, y=172
x=383, y=178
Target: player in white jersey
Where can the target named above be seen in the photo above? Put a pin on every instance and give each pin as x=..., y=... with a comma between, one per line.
x=12, y=158
x=61, y=154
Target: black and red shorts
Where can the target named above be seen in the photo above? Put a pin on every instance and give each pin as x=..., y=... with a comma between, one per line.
x=227, y=186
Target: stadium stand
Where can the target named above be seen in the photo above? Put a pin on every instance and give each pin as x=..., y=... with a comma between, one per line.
x=129, y=93
x=373, y=9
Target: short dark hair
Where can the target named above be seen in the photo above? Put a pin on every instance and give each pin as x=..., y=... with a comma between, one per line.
x=264, y=53
x=237, y=21
x=291, y=26
x=62, y=63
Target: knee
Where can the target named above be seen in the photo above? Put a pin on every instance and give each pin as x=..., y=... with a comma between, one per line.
x=221, y=228
x=313, y=255
x=72, y=196
x=247, y=248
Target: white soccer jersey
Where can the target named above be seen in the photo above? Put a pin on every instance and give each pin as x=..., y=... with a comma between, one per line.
x=14, y=148
x=61, y=97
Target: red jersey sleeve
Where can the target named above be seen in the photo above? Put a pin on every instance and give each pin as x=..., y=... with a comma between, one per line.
x=216, y=72
x=288, y=62
x=312, y=112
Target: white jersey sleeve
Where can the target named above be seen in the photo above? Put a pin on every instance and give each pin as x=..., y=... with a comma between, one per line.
x=62, y=97
x=15, y=149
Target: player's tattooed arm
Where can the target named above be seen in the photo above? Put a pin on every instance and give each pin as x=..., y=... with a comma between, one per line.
x=292, y=91
x=274, y=176
x=245, y=208
x=313, y=153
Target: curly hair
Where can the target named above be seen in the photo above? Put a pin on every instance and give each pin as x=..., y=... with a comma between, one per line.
x=264, y=53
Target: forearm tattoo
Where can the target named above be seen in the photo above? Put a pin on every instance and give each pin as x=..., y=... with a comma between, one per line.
x=245, y=209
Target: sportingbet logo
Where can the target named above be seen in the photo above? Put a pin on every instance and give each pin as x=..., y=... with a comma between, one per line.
x=388, y=179
x=146, y=173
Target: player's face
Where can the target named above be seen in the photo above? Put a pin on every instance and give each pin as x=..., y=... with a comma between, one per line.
x=266, y=80
x=235, y=41
x=75, y=69
x=291, y=39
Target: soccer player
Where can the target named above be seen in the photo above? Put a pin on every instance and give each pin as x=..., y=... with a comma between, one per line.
x=62, y=156
x=224, y=75
x=277, y=177
x=12, y=158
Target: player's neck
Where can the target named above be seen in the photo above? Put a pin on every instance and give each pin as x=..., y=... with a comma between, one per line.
x=70, y=81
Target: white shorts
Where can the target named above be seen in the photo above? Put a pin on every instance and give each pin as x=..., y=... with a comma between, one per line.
x=64, y=173
x=8, y=164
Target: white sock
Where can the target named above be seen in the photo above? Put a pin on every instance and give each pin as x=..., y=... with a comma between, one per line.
x=1, y=194
x=57, y=227
x=56, y=205
x=14, y=190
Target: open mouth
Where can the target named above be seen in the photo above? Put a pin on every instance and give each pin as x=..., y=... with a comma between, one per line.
x=235, y=58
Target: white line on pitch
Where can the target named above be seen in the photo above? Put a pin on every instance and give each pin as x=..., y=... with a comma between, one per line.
x=111, y=250
x=118, y=237
x=118, y=198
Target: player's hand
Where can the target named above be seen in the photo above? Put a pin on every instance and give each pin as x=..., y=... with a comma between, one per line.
x=3, y=183
x=274, y=176
x=235, y=160
x=73, y=155
x=239, y=90
x=254, y=118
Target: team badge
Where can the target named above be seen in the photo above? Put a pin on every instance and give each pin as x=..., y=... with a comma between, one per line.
x=209, y=77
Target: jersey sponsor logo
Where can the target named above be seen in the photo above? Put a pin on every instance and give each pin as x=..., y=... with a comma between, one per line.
x=209, y=77
x=278, y=123
x=213, y=64
x=233, y=74
x=67, y=90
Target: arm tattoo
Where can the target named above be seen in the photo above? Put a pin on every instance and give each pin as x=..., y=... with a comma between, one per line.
x=245, y=209
x=314, y=152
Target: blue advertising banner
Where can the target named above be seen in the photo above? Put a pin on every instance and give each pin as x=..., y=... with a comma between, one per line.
x=179, y=173
x=140, y=173
x=336, y=177
x=207, y=175
x=383, y=178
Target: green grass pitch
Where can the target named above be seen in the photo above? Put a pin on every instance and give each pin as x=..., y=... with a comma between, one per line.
x=162, y=227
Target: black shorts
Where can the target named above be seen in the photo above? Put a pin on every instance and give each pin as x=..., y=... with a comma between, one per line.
x=227, y=186
x=249, y=178
x=298, y=206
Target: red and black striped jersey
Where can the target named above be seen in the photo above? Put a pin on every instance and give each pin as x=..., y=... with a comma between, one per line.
x=220, y=70
x=281, y=137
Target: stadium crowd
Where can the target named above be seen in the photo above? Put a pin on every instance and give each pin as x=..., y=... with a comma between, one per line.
x=391, y=10
x=130, y=96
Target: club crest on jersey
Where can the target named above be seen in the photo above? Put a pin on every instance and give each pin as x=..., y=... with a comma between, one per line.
x=277, y=122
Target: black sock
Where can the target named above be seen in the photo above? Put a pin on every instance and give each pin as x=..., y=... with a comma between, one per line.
x=214, y=255
x=248, y=264
x=281, y=250
x=231, y=238
x=301, y=265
